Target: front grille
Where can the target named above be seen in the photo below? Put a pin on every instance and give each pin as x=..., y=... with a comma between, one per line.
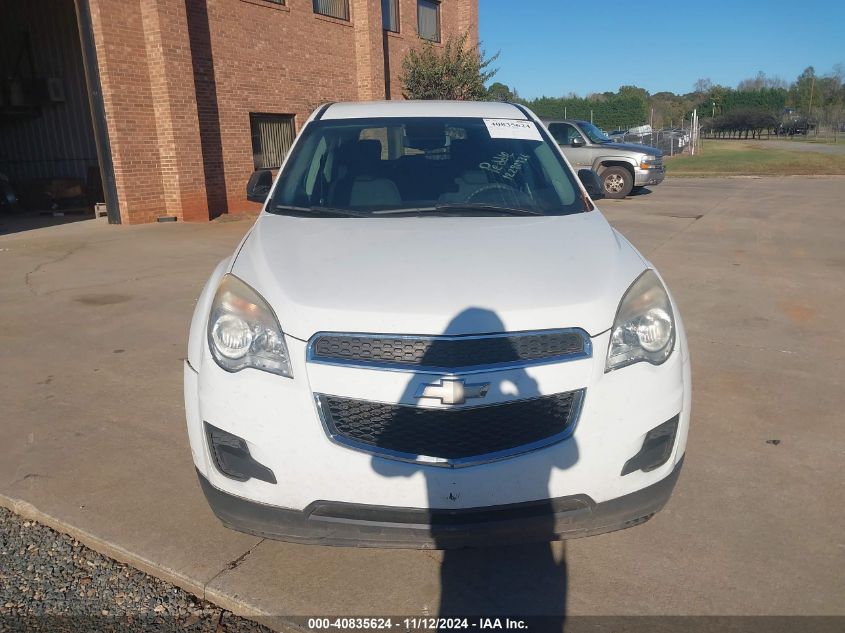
x=451, y=436
x=449, y=353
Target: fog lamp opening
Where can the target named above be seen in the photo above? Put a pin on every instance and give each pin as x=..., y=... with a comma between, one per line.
x=656, y=449
x=231, y=456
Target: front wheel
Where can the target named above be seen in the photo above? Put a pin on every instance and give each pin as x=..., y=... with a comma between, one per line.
x=617, y=182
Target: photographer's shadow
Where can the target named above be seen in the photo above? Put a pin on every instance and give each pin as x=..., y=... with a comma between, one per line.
x=524, y=579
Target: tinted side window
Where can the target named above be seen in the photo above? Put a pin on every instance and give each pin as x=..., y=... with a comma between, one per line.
x=563, y=133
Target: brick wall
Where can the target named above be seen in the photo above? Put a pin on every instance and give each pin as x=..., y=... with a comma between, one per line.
x=455, y=18
x=130, y=112
x=175, y=105
x=180, y=78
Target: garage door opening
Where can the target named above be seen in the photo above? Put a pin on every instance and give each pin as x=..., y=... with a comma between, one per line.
x=50, y=168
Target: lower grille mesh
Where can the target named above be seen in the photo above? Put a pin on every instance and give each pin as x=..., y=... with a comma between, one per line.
x=450, y=434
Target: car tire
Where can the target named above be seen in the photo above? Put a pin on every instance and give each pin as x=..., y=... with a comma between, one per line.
x=617, y=182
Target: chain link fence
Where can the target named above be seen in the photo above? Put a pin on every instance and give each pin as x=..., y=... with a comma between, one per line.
x=670, y=141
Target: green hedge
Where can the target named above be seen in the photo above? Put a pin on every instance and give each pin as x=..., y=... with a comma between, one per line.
x=609, y=112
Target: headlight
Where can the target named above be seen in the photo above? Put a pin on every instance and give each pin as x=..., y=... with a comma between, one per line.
x=243, y=331
x=644, y=328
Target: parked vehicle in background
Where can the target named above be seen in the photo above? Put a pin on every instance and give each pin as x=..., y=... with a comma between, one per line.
x=795, y=127
x=642, y=130
x=669, y=140
x=622, y=167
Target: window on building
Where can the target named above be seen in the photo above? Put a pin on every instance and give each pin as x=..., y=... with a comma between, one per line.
x=333, y=8
x=428, y=19
x=272, y=136
x=390, y=15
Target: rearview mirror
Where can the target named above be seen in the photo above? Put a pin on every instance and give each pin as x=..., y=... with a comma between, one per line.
x=577, y=142
x=259, y=185
x=591, y=182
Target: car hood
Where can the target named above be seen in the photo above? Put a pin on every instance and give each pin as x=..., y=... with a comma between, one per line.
x=633, y=147
x=438, y=275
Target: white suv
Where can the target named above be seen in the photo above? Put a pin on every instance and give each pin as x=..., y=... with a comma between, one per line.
x=432, y=338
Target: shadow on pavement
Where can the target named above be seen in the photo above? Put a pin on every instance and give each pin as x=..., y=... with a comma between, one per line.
x=512, y=580
x=640, y=191
x=18, y=221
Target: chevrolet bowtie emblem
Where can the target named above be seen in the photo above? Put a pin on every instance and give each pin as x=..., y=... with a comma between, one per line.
x=451, y=391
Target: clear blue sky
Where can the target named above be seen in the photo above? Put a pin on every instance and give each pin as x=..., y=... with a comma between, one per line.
x=554, y=47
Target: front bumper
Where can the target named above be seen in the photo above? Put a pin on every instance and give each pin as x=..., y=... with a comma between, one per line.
x=319, y=485
x=645, y=177
x=360, y=525
x=278, y=420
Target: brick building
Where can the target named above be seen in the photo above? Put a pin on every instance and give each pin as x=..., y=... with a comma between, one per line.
x=175, y=102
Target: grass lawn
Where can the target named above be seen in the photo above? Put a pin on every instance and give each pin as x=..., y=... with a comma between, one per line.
x=826, y=140
x=753, y=158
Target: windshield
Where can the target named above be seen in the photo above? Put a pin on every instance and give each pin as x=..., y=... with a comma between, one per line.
x=372, y=167
x=595, y=134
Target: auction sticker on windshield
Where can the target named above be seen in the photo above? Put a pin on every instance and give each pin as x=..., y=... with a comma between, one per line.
x=512, y=128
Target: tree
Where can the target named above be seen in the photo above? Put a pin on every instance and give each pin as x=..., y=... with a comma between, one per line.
x=627, y=108
x=760, y=82
x=741, y=123
x=802, y=91
x=703, y=86
x=670, y=108
x=501, y=92
x=715, y=98
x=633, y=91
x=457, y=72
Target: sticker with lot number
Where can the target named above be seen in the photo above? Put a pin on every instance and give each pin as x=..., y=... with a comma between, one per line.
x=512, y=128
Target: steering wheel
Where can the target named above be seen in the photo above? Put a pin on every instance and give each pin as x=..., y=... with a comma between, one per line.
x=491, y=187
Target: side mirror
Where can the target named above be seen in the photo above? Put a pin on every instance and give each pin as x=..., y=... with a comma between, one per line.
x=591, y=182
x=259, y=185
x=577, y=142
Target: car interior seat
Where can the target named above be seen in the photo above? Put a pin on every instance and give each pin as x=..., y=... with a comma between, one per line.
x=472, y=176
x=364, y=182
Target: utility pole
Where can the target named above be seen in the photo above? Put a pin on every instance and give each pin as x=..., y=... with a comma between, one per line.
x=591, y=115
x=693, y=132
x=812, y=88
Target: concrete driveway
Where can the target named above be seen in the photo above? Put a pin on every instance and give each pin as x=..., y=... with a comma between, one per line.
x=93, y=326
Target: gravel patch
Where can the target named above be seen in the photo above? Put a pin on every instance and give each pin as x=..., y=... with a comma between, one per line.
x=51, y=582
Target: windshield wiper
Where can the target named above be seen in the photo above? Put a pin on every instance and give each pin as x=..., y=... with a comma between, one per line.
x=471, y=206
x=327, y=212
x=445, y=207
